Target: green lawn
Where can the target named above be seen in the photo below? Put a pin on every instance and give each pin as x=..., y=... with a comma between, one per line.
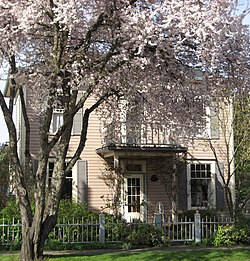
x=203, y=255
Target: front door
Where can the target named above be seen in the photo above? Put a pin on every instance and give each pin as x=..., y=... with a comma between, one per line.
x=134, y=195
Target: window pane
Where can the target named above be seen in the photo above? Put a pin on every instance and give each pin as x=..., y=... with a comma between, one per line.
x=67, y=189
x=208, y=170
x=134, y=190
x=200, y=184
x=133, y=167
x=57, y=121
x=200, y=192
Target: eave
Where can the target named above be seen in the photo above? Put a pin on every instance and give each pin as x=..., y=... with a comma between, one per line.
x=140, y=151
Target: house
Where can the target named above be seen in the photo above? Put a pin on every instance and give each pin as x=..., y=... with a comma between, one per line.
x=134, y=168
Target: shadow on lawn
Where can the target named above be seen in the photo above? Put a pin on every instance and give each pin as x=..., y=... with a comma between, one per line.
x=159, y=255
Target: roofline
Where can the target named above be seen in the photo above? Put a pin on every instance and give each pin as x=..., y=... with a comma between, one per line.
x=133, y=148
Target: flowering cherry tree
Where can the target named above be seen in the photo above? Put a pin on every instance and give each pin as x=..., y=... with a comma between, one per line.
x=110, y=49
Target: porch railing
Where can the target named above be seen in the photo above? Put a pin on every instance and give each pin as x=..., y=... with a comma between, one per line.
x=137, y=134
x=112, y=230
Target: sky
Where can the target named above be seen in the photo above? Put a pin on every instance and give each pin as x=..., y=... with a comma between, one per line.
x=4, y=137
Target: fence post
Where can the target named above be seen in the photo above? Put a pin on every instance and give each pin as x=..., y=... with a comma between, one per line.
x=102, y=228
x=197, y=227
x=158, y=220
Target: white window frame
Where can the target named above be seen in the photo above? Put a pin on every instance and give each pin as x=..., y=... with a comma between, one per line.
x=212, y=200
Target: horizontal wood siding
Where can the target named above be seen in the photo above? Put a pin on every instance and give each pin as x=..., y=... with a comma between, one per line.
x=155, y=192
x=96, y=186
x=199, y=149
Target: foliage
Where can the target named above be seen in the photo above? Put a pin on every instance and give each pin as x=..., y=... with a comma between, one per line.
x=69, y=210
x=11, y=210
x=56, y=245
x=143, y=234
x=242, y=152
x=230, y=235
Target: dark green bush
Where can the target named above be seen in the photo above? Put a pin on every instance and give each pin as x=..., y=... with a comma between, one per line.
x=230, y=235
x=11, y=210
x=144, y=234
x=69, y=209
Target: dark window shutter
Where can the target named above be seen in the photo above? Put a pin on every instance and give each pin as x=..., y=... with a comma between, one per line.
x=35, y=165
x=82, y=181
x=214, y=123
x=182, y=185
x=77, y=124
x=219, y=186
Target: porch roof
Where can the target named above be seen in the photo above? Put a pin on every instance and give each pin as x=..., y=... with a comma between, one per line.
x=108, y=151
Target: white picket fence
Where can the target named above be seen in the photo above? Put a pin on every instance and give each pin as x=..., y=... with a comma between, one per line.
x=112, y=230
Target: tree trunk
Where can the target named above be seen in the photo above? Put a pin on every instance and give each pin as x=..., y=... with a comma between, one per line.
x=31, y=250
x=27, y=250
x=229, y=201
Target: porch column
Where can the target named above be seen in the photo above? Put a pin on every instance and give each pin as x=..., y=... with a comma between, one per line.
x=117, y=167
x=174, y=204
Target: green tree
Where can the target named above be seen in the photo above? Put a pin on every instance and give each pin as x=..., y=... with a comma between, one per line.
x=242, y=152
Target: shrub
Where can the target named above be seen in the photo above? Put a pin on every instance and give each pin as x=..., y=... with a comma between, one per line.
x=229, y=235
x=144, y=234
x=11, y=210
x=69, y=209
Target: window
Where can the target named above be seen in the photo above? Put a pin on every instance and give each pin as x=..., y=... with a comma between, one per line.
x=57, y=116
x=67, y=188
x=134, y=194
x=211, y=127
x=57, y=121
x=134, y=167
x=201, y=188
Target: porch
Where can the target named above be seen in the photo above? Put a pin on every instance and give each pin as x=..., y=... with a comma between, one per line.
x=147, y=174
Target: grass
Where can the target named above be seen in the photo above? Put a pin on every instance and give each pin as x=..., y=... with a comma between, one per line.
x=204, y=255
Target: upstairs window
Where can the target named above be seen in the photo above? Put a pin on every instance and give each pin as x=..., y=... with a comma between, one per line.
x=58, y=109
x=57, y=121
x=211, y=127
x=57, y=116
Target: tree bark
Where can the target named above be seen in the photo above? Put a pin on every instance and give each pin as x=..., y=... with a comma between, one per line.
x=27, y=250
